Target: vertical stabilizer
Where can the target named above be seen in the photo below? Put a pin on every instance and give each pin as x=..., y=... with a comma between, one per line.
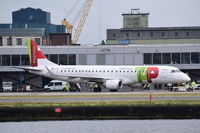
x=36, y=57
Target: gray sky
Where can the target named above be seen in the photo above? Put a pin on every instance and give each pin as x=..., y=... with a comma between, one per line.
x=163, y=13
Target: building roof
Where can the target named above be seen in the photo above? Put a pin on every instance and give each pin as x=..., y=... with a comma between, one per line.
x=161, y=28
x=22, y=31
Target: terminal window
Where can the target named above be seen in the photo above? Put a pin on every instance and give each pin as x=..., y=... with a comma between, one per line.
x=185, y=58
x=195, y=58
x=9, y=41
x=176, y=58
x=19, y=41
x=148, y=58
x=37, y=41
x=157, y=58
x=15, y=60
x=25, y=60
x=166, y=58
x=5, y=60
x=1, y=43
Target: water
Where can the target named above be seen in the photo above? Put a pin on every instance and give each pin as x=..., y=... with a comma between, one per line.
x=103, y=126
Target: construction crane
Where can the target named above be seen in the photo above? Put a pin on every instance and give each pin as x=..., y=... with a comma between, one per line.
x=77, y=30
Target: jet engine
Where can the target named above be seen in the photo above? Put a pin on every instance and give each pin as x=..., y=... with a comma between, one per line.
x=113, y=84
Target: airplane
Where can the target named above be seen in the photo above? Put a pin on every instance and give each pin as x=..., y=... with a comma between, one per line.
x=111, y=77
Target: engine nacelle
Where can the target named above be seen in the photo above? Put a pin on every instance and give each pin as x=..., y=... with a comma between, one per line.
x=113, y=84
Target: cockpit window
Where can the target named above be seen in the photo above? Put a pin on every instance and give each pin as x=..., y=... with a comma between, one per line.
x=175, y=71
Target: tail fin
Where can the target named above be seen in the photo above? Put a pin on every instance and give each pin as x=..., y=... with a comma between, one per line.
x=36, y=57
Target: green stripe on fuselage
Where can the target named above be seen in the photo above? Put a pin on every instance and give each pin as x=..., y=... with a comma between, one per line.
x=141, y=74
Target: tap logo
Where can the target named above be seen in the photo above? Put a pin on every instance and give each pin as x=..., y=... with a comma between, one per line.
x=146, y=74
x=34, y=50
x=34, y=56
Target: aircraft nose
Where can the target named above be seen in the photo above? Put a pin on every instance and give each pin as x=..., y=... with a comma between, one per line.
x=187, y=78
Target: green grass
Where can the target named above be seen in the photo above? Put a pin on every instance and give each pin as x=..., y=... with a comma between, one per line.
x=99, y=95
x=99, y=102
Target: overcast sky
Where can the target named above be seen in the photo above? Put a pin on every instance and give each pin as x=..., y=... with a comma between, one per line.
x=163, y=13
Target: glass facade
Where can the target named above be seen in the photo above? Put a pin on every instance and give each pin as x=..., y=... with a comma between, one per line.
x=5, y=60
x=166, y=58
x=23, y=60
x=19, y=41
x=37, y=41
x=148, y=58
x=1, y=41
x=72, y=59
x=195, y=58
x=9, y=41
x=15, y=60
x=63, y=59
x=172, y=58
x=156, y=58
x=0, y=60
x=185, y=58
x=176, y=58
x=54, y=58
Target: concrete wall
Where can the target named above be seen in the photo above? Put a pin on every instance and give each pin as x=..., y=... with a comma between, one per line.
x=14, y=40
x=161, y=35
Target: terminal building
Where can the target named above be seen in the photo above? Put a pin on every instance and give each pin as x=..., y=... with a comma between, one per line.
x=134, y=44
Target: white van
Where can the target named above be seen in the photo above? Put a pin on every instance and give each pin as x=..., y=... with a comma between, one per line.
x=55, y=85
x=7, y=86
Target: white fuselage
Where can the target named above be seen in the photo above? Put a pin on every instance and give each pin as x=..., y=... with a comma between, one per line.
x=127, y=74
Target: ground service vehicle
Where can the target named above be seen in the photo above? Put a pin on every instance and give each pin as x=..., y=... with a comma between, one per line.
x=55, y=85
x=7, y=86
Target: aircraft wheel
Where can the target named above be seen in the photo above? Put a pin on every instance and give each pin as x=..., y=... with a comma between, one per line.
x=98, y=89
x=113, y=90
x=47, y=90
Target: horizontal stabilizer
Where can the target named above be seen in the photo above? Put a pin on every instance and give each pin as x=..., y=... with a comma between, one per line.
x=28, y=68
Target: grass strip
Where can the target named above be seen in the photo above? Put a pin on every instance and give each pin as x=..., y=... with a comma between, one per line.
x=100, y=96
x=101, y=103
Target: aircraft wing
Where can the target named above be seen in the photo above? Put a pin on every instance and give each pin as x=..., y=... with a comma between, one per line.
x=27, y=68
